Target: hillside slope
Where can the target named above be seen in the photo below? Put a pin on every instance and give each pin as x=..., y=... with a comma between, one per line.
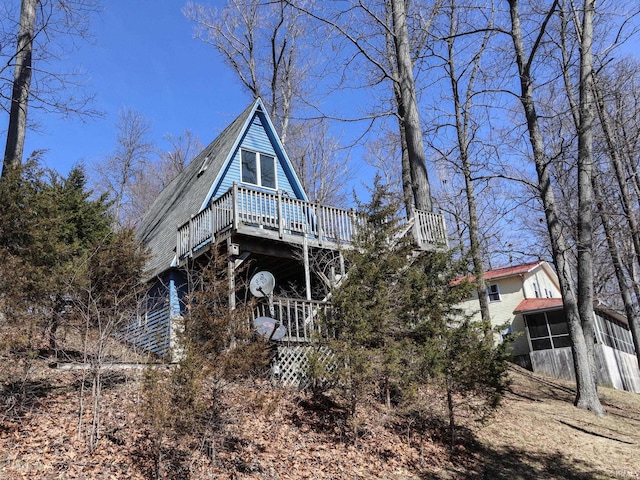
x=273, y=434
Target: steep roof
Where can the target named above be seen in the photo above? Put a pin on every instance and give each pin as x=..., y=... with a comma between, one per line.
x=187, y=194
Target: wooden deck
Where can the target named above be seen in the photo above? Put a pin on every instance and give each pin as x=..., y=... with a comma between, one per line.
x=269, y=215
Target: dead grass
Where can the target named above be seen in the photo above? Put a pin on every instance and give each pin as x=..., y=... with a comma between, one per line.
x=538, y=433
x=274, y=434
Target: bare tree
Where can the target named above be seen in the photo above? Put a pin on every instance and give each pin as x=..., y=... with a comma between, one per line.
x=410, y=118
x=315, y=153
x=107, y=294
x=615, y=156
x=267, y=45
x=586, y=395
x=17, y=129
x=585, y=180
x=42, y=26
x=463, y=92
x=183, y=149
x=144, y=188
x=378, y=47
x=262, y=42
x=127, y=167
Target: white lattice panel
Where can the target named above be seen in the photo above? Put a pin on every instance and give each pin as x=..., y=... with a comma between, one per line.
x=292, y=364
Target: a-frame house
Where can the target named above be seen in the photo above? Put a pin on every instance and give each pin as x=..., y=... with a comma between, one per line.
x=242, y=195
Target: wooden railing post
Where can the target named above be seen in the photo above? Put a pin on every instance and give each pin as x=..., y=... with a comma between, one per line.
x=211, y=222
x=234, y=201
x=319, y=219
x=191, y=236
x=353, y=230
x=280, y=217
x=417, y=230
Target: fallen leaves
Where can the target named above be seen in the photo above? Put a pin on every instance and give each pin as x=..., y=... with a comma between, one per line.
x=273, y=434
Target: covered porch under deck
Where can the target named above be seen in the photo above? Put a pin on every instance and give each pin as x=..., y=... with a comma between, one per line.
x=300, y=243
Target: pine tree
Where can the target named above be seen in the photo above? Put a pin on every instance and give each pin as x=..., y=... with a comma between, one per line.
x=396, y=325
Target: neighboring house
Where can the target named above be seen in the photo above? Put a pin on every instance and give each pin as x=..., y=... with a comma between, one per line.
x=242, y=197
x=526, y=300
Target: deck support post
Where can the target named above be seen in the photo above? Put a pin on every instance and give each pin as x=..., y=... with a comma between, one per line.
x=231, y=273
x=307, y=269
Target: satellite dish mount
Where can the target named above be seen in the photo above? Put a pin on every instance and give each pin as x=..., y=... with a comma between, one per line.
x=262, y=285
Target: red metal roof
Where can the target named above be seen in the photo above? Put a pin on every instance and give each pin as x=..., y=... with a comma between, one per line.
x=510, y=271
x=537, y=304
x=503, y=272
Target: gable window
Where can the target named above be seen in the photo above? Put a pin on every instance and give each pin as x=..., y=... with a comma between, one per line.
x=493, y=292
x=548, y=330
x=258, y=169
x=535, y=290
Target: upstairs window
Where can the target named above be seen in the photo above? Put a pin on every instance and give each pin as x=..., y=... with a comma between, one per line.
x=258, y=169
x=493, y=292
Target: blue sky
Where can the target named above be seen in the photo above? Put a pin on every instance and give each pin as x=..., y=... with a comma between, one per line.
x=143, y=57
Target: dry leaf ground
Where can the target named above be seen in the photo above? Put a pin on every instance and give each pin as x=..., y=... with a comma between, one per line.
x=274, y=434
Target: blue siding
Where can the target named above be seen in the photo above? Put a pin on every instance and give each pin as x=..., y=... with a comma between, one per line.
x=151, y=331
x=257, y=138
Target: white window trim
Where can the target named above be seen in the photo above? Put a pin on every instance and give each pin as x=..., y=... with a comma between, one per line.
x=259, y=169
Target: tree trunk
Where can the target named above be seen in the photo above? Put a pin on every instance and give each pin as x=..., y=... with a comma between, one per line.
x=586, y=391
x=407, y=189
x=628, y=205
x=625, y=291
x=585, y=189
x=452, y=417
x=629, y=211
x=17, y=128
x=411, y=119
x=463, y=147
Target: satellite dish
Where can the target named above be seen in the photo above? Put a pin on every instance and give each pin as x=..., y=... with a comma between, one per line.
x=262, y=284
x=268, y=327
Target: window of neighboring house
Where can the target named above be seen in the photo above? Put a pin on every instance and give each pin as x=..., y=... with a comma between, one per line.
x=258, y=169
x=535, y=290
x=493, y=292
x=548, y=330
x=615, y=335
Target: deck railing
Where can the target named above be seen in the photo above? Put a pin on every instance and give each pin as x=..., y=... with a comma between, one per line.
x=298, y=317
x=285, y=216
x=430, y=229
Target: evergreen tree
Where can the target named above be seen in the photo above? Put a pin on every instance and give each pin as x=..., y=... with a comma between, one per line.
x=49, y=226
x=396, y=325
